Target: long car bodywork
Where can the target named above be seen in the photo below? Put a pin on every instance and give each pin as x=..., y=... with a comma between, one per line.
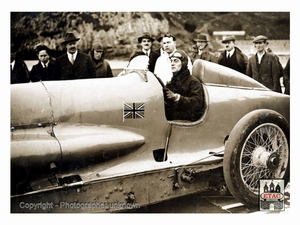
x=103, y=145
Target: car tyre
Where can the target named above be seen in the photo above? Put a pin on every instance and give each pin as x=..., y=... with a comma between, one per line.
x=257, y=148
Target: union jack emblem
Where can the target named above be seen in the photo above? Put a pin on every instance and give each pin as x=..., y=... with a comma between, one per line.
x=133, y=110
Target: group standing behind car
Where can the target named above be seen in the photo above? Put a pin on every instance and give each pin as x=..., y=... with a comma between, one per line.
x=264, y=66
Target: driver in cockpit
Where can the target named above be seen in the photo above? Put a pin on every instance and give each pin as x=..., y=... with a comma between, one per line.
x=184, y=94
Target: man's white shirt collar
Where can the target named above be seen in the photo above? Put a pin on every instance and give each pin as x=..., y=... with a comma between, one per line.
x=259, y=56
x=147, y=52
x=70, y=55
x=230, y=52
x=45, y=64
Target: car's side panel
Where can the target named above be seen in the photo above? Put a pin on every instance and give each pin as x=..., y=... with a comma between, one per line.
x=117, y=194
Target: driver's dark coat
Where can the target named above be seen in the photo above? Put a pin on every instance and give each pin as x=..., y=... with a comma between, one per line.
x=191, y=102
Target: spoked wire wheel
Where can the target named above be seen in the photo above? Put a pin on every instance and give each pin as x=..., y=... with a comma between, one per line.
x=257, y=148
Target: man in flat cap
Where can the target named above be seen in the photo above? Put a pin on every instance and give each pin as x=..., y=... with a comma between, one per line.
x=74, y=64
x=263, y=66
x=201, y=49
x=45, y=69
x=232, y=56
x=146, y=42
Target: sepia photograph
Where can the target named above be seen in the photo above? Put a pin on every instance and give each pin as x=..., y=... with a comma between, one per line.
x=150, y=112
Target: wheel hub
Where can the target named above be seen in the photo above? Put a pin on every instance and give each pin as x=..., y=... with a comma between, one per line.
x=260, y=156
x=273, y=161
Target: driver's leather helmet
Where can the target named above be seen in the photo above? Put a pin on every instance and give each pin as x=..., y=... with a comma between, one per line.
x=182, y=56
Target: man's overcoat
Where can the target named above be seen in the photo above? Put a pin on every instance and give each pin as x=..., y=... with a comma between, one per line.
x=267, y=72
x=38, y=72
x=241, y=60
x=205, y=55
x=82, y=68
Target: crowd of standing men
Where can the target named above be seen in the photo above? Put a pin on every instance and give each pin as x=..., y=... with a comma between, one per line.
x=264, y=66
x=73, y=64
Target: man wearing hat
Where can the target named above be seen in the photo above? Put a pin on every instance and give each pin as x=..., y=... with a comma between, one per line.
x=46, y=67
x=146, y=42
x=201, y=49
x=232, y=56
x=74, y=64
x=263, y=66
x=101, y=65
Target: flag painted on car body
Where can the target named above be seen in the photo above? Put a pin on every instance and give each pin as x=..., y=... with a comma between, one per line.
x=133, y=110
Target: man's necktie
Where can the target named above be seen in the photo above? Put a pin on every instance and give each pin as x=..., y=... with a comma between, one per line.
x=72, y=59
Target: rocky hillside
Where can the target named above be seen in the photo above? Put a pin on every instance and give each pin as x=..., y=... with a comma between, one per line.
x=118, y=31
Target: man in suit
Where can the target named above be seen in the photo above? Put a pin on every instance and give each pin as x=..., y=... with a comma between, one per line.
x=146, y=42
x=46, y=67
x=232, y=56
x=74, y=64
x=263, y=66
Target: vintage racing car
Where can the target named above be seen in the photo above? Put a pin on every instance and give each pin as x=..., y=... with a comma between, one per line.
x=104, y=145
